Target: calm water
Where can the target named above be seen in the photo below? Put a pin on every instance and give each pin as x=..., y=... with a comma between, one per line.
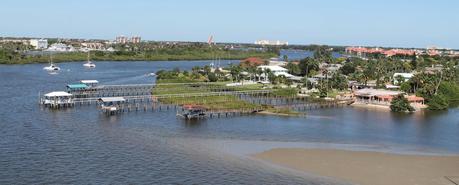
x=82, y=146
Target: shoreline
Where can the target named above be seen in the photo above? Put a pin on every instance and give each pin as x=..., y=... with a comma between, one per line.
x=366, y=164
x=365, y=167
x=72, y=61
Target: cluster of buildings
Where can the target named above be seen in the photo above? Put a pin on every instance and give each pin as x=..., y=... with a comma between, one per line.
x=363, y=94
x=71, y=45
x=274, y=65
x=432, y=51
x=124, y=40
x=359, y=51
x=271, y=43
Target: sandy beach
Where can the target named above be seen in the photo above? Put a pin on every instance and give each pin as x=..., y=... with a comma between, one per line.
x=368, y=168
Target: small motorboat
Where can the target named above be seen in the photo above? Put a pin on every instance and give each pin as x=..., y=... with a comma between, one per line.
x=192, y=112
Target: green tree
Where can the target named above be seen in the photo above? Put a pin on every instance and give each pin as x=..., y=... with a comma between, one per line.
x=212, y=77
x=307, y=65
x=399, y=79
x=438, y=102
x=285, y=57
x=401, y=104
x=348, y=68
x=339, y=81
x=293, y=68
x=405, y=87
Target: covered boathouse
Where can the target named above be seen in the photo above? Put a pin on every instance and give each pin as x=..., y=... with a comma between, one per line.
x=58, y=99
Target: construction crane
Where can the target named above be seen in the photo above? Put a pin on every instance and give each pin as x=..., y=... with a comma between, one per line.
x=211, y=40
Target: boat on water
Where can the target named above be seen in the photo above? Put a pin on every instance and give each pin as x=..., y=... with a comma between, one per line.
x=89, y=64
x=51, y=67
x=192, y=112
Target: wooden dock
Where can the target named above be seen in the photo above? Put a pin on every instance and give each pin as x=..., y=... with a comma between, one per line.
x=138, y=97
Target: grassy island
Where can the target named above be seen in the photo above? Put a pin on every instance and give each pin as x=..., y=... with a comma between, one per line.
x=198, y=81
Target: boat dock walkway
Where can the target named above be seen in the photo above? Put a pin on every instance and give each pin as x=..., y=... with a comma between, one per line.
x=113, y=99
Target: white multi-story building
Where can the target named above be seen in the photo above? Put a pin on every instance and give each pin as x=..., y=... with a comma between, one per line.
x=60, y=47
x=271, y=42
x=135, y=39
x=39, y=43
x=122, y=39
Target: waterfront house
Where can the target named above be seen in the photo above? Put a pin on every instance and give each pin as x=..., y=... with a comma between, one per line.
x=276, y=70
x=384, y=98
x=252, y=61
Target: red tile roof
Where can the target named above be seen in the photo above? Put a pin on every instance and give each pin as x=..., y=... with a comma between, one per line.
x=252, y=61
x=390, y=52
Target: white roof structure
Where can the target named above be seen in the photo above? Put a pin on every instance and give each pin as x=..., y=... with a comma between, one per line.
x=288, y=75
x=273, y=68
x=376, y=92
x=89, y=81
x=58, y=94
x=112, y=99
x=404, y=75
x=389, y=86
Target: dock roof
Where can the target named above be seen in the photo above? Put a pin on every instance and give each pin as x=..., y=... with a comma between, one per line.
x=77, y=86
x=89, y=81
x=58, y=94
x=112, y=99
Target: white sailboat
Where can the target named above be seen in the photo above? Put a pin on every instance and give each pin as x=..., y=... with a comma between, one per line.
x=51, y=67
x=89, y=64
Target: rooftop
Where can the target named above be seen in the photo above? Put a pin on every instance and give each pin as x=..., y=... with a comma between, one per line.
x=376, y=92
x=89, y=81
x=77, y=86
x=112, y=99
x=58, y=94
x=272, y=68
x=404, y=75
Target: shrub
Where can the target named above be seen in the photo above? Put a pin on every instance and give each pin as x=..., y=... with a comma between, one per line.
x=438, y=102
x=401, y=104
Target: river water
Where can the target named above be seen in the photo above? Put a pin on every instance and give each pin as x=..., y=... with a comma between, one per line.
x=82, y=146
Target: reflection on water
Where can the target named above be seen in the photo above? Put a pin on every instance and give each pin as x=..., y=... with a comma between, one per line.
x=71, y=146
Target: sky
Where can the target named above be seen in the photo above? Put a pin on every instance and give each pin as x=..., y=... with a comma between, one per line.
x=390, y=23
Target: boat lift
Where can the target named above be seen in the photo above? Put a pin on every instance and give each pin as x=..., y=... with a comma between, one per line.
x=111, y=105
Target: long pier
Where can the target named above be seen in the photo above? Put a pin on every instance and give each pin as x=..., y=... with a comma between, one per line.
x=188, y=95
x=113, y=90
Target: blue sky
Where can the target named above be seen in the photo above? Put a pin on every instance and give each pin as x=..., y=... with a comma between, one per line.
x=334, y=22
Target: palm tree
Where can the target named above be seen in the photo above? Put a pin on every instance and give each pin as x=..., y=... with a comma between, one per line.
x=269, y=73
x=235, y=72
x=207, y=69
x=259, y=72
